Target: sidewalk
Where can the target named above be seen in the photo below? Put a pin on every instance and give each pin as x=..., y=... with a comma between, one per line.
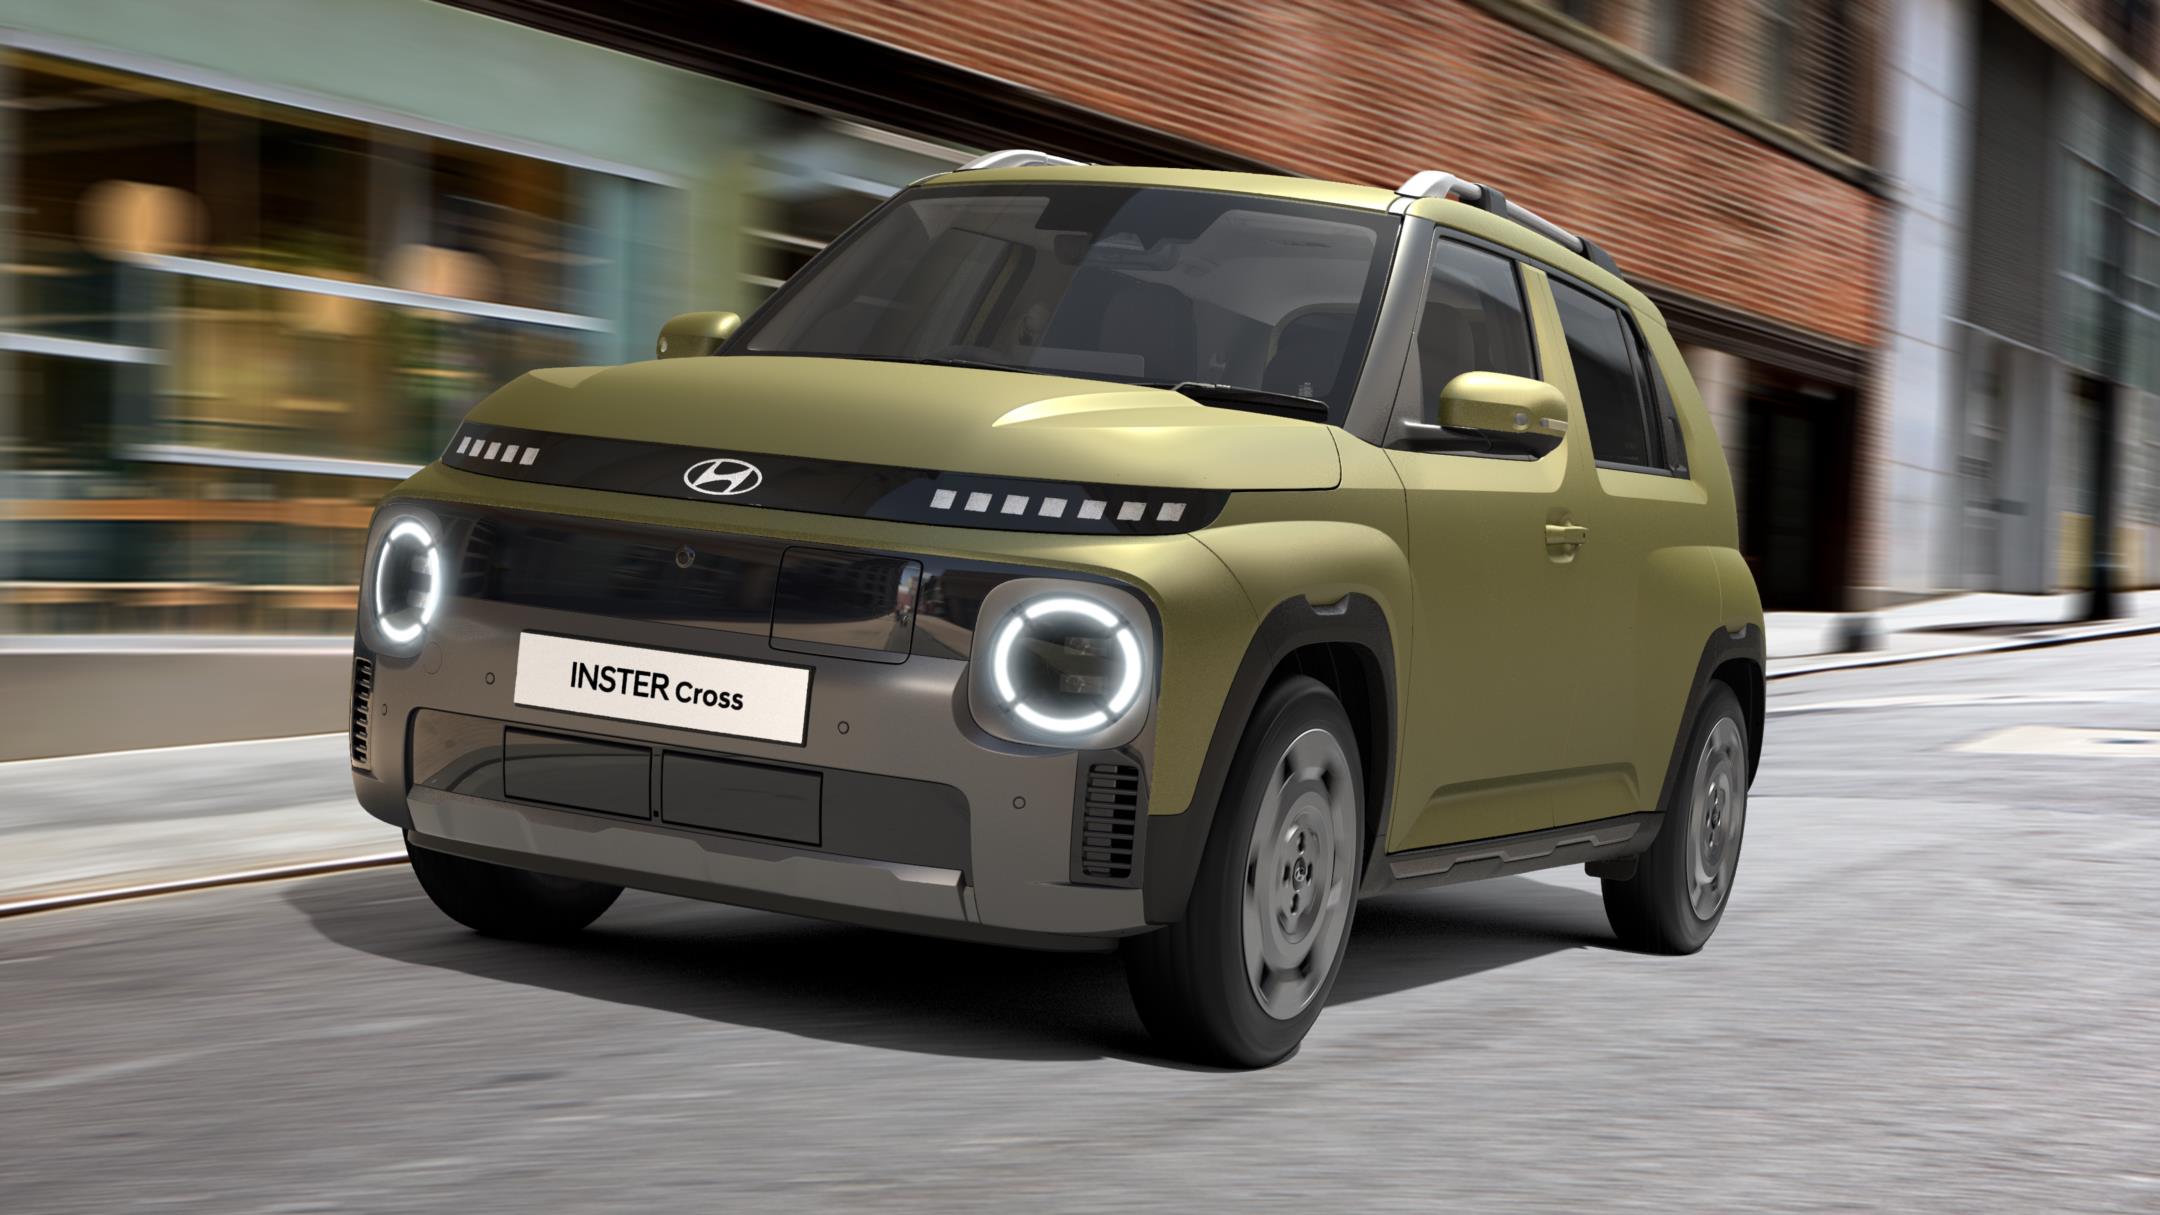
x=1955, y=623
x=93, y=822
x=124, y=818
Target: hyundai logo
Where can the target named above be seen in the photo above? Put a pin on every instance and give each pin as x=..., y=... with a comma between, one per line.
x=722, y=477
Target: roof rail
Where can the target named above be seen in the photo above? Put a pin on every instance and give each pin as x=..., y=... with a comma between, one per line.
x=1437, y=183
x=1016, y=158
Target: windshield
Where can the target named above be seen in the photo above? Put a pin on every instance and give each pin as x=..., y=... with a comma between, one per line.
x=1109, y=282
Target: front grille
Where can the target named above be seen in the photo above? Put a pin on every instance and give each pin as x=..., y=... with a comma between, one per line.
x=1107, y=848
x=476, y=559
x=363, y=693
x=677, y=576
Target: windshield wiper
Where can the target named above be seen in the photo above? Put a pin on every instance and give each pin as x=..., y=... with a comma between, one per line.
x=1257, y=400
x=979, y=364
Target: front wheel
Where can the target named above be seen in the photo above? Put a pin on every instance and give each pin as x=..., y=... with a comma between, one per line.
x=1244, y=975
x=1681, y=885
x=499, y=901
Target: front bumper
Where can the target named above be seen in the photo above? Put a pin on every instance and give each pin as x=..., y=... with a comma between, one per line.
x=926, y=822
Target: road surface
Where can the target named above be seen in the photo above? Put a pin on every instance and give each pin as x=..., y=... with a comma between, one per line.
x=1938, y=988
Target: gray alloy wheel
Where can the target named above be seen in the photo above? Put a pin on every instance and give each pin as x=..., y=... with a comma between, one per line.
x=1244, y=974
x=1717, y=809
x=1299, y=868
x=1683, y=884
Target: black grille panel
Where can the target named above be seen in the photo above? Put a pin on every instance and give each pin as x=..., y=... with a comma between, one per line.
x=363, y=696
x=674, y=575
x=1107, y=826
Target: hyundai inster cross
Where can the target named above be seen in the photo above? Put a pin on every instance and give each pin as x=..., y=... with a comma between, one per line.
x=1089, y=558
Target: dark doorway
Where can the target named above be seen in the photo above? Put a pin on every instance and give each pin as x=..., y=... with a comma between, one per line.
x=1798, y=527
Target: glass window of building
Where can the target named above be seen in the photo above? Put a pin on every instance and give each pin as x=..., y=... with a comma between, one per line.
x=228, y=324
x=1667, y=36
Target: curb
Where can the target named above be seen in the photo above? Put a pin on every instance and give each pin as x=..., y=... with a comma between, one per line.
x=242, y=877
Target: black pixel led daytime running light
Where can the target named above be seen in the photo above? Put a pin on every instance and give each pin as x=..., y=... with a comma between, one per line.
x=830, y=487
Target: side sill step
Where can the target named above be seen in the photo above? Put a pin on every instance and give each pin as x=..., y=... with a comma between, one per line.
x=1575, y=844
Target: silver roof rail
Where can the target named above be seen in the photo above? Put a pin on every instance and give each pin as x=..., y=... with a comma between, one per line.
x=1016, y=158
x=1438, y=183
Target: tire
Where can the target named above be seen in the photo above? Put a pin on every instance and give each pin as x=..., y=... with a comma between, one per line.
x=1241, y=978
x=498, y=901
x=1683, y=884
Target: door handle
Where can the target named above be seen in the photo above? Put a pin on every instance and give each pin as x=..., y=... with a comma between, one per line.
x=1565, y=535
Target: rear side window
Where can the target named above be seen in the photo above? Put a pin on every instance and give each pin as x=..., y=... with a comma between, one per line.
x=1473, y=321
x=1668, y=415
x=1600, y=343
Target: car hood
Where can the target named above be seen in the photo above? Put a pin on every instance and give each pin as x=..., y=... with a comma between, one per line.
x=953, y=419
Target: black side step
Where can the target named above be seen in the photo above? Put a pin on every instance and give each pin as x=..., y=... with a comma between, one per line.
x=1575, y=844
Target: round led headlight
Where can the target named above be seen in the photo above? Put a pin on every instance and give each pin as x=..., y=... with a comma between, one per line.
x=1061, y=668
x=407, y=585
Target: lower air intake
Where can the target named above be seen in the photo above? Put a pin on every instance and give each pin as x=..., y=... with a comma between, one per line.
x=1111, y=815
x=363, y=696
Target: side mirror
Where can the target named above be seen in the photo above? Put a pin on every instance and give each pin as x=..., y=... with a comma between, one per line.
x=1488, y=411
x=696, y=333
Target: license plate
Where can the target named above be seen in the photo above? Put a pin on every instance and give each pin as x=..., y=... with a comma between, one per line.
x=663, y=687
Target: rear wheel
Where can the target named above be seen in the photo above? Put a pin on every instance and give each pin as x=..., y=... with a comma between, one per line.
x=1680, y=888
x=500, y=901
x=1244, y=975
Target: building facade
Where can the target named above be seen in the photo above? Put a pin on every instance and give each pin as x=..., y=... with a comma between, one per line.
x=262, y=253
x=2020, y=134
x=1724, y=153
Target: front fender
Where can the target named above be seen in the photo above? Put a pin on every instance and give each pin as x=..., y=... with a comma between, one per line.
x=1341, y=581
x=1353, y=626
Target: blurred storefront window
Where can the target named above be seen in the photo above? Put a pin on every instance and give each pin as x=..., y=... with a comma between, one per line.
x=230, y=324
x=2087, y=213
x=816, y=175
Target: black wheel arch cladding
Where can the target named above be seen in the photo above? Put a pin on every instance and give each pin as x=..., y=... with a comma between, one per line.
x=1346, y=645
x=1735, y=659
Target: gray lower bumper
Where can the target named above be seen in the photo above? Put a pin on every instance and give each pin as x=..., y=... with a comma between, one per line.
x=709, y=867
x=885, y=894
x=905, y=720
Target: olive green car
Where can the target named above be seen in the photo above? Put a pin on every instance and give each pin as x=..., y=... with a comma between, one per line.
x=1088, y=558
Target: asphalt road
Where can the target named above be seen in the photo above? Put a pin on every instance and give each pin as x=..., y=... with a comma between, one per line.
x=1937, y=989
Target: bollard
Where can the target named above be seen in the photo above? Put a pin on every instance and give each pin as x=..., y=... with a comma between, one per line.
x=1858, y=632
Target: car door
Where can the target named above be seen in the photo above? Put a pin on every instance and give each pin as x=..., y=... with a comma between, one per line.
x=1645, y=574
x=1498, y=695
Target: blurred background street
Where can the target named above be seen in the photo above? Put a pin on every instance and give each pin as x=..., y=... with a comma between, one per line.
x=261, y=255
x=1934, y=992
x=258, y=257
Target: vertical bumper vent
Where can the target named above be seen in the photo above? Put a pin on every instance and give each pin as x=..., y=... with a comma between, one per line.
x=1107, y=827
x=363, y=698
